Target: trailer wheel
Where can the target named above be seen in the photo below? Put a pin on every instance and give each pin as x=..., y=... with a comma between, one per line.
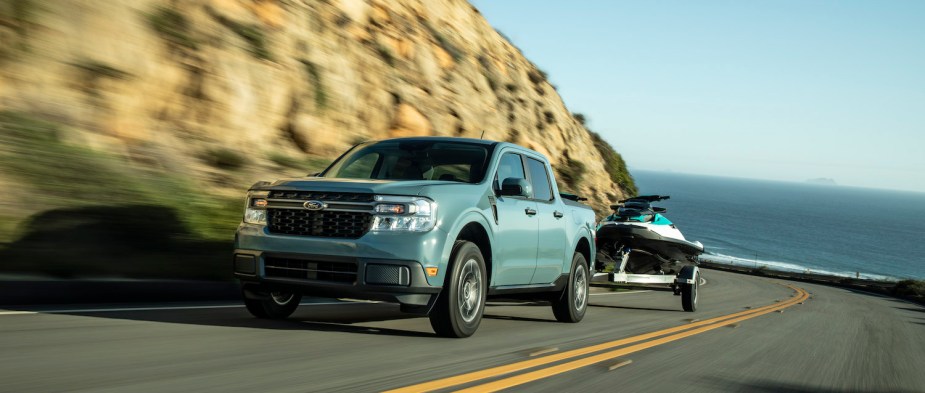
x=689, y=294
x=573, y=302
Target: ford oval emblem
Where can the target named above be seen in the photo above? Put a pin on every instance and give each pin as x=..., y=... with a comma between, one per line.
x=314, y=205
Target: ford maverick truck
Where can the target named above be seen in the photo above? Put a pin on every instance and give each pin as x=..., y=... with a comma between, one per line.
x=435, y=224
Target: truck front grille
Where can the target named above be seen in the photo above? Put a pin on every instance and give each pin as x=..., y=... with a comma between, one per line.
x=338, y=224
x=310, y=270
x=321, y=196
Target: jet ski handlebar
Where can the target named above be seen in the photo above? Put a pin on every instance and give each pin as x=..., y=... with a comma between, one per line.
x=647, y=198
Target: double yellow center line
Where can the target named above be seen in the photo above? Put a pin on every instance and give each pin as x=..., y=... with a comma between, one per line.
x=660, y=337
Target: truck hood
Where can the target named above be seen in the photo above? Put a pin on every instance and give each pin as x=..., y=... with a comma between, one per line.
x=388, y=187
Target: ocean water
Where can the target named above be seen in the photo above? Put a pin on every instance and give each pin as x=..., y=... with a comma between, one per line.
x=838, y=230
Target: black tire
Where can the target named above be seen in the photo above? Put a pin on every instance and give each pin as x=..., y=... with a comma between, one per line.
x=690, y=293
x=573, y=302
x=280, y=305
x=458, y=311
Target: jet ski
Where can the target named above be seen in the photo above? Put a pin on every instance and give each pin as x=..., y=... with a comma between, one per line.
x=638, y=239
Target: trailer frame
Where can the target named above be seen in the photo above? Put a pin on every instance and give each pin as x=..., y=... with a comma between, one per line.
x=685, y=283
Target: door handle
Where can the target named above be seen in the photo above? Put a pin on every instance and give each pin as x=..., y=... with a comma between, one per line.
x=558, y=214
x=530, y=212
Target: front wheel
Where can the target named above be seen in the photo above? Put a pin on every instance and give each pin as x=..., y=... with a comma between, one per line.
x=572, y=304
x=279, y=305
x=459, y=309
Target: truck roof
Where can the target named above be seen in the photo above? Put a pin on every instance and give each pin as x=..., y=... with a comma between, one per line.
x=484, y=142
x=445, y=139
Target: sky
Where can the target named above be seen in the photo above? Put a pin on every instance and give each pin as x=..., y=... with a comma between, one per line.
x=781, y=90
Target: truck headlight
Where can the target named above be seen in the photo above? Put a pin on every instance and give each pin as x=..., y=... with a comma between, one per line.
x=399, y=213
x=255, y=208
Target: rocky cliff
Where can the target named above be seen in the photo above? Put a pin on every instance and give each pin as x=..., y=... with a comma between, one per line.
x=227, y=92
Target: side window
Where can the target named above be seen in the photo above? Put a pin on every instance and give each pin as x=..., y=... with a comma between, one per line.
x=540, y=179
x=509, y=166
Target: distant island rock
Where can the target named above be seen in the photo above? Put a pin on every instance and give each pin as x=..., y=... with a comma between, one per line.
x=823, y=180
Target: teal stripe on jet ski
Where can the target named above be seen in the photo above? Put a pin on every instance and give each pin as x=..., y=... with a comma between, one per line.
x=660, y=220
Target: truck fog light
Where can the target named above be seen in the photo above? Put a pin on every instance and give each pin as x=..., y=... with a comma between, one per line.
x=245, y=264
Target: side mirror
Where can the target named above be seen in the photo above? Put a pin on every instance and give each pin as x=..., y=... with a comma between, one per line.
x=659, y=209
x=515, y=186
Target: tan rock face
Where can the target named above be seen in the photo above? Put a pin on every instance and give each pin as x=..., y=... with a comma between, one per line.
x=258, y=76
x=409, y=122
x=269, y=12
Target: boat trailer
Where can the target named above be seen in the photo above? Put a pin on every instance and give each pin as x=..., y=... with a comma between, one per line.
x=685, y=284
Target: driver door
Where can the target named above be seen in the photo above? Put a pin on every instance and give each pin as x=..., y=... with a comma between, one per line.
x=515, y=235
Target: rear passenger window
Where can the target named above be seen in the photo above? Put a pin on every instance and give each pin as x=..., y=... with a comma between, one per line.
x=540, y=179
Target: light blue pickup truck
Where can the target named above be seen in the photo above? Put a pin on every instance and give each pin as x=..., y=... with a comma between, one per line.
x=435, y=224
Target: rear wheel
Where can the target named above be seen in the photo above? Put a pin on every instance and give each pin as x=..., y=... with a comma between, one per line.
x=458, y=311
x=689, y=294
x=572, y=304
x=279, y=305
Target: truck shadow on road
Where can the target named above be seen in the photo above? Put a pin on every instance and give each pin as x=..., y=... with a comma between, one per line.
x=348, y=318
x=493, y=310
x=635, y=308
x=520, y=319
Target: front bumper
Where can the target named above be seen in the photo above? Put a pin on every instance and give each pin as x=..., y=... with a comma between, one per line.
x=377, y=266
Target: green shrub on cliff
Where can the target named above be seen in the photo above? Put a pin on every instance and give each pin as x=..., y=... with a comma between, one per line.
x=19, y=14
x=444, y=42
x=571, y=173
x=255, y=38
x=314, y=76
x=95, y=69
x=308, y=165
x=580, y=118
x=224, y=158
x=385, y=53
x=614, y=164
x=172, y=26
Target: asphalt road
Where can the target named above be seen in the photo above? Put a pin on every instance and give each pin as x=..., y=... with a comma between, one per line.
x=837, y=340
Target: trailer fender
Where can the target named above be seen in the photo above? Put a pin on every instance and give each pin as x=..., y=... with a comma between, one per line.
x=687, y=275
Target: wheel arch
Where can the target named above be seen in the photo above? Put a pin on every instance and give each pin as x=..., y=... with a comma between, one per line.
x=583, y=244
x=584, y=248
x=476, y=233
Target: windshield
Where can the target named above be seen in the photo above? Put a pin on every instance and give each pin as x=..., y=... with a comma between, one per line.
x=413, y=160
